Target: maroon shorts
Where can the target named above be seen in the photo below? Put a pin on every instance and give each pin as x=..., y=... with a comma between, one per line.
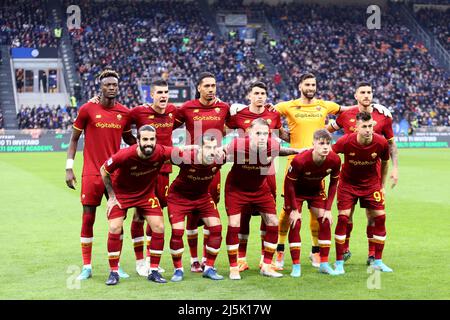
x=162, y=189
x=318, y=201
x=214, y=188
x=347, y=198
x=179, y=207
x=272, y=182
x=256, y=201
x=143, y=209
x=92, y=190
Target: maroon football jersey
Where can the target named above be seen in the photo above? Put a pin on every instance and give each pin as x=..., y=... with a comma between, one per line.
x=243, y=119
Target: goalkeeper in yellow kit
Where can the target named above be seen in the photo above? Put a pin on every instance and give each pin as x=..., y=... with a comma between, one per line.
x=304, y=115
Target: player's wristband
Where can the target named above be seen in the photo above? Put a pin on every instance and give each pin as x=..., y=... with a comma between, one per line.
x=69, y=164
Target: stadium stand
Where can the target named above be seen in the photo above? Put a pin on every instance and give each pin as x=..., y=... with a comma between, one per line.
x=25, y=24
x=46, y=117
x=437, y=22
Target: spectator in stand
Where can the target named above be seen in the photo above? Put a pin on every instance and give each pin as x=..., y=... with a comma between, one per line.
x=438, y=23
x=46, y=117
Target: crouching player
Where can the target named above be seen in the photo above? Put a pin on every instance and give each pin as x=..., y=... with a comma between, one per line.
x=189, y=195
x=359, y=179
x=134, y=173
x=305, y=182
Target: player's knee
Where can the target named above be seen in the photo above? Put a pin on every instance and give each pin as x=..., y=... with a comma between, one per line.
x=158, y=227
x=271, y=220
x=342, y=218
x=115, y=228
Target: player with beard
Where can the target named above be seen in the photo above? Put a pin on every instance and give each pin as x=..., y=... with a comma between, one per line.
x=305, y=115
x=383, y=126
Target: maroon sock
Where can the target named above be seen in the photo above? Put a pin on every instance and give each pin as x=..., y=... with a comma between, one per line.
x=347, y=236
x=369, y=231
x=176, y=247
x=232, y=241
x=379, y=235
x=206, y=233
x=213, y=244
x=148, y=233
x=114, y=245
x=262, y=232
x=156, y=250
x=339, y=235
x=87, y=236
x=137, y=236
x=295, y=242
x=270, y=243
x=243, y=234
x=324, y=239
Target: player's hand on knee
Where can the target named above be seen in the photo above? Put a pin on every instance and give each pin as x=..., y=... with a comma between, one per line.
x=294, y=216
x=112, y=202
x=327, y=215
x=71, y=180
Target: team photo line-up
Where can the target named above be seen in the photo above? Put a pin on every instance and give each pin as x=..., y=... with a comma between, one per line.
x=138, y=176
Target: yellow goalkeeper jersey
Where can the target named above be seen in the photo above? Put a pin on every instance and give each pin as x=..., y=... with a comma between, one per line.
x=304, y=119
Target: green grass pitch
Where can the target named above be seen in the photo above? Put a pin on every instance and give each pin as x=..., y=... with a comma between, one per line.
x=40, y=255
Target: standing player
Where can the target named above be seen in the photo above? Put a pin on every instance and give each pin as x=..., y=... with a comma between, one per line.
x=189, y=195
x=205, y=114
x=242, y=120
x=383, y=126
x=360, y=180
x=161, y=116
x=137, y=170
x=246, y=186
x=304, y=116
x=104, y=124
x=305, y=182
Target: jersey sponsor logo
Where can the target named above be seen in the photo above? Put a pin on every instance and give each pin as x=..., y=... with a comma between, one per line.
x=162, y=125
x=352, y=154
x=362, y=163
x=98, y=116
x=119, y=117
x=206, y=118
x=106, y=125
x=110, y=160
x=374, y=155
x=308, y=115
x=197, y=178
x=141, y=173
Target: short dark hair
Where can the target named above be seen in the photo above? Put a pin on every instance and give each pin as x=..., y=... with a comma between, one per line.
x=305, y=76
x=322, y=134
x=145, y=127
x=159, y=83
x=257, y=84
x=260, y=121
x=362, y=84
x=205, y=137
x=108, y=73
x=201, y=76
x=364, y=116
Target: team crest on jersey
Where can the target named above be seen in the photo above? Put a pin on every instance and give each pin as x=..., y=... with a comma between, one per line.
x=217, y=110
x=298, y=108
x=109, y=161
x=214, y=169
x=133, y=168
x=247, y=121
x=318, y=108
x=269, y=121
x=196, y=110
x=119, y=117
x=328, y=170
x=352, y=154
x=98, y=116
x=151, y=116
x=191, y=170
x=352, y=120
x=374, y=123
x=374, y=155
x=170, y=115
x=307, y=173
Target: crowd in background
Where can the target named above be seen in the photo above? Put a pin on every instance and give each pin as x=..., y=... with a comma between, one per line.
x=437, y=22
x=46, y=117
x=171, y=39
